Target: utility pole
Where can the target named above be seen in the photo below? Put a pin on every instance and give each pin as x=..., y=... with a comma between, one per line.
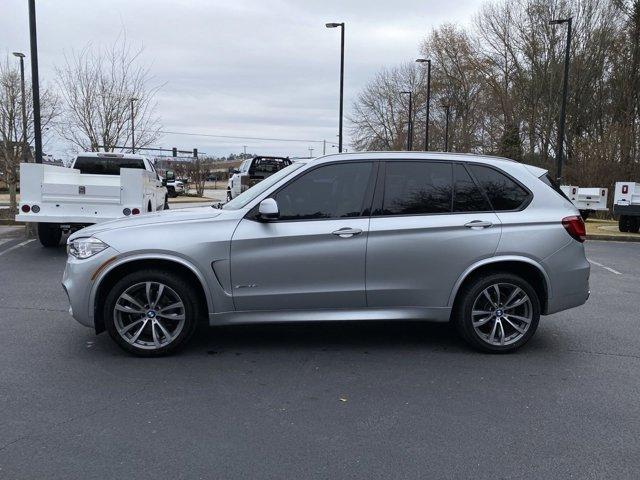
x=25, y=144
x=426, y=124
x=133, y=140
x=447, y=109
x=410, y=123
x=341, y=25
x=565, y=91
x=35, y=85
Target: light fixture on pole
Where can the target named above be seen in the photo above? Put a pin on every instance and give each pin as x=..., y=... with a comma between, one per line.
x=25, y=145
x=410, y=124
x=426, y=123
x=565, y=90
x=341, y=25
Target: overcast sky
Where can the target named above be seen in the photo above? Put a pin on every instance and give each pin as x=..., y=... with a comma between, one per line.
x=257, y=68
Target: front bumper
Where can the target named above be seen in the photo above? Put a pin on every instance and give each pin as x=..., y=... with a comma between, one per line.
x=78, y=284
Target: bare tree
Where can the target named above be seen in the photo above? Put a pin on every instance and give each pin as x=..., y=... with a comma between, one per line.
x=12, y=148
x=97, y=87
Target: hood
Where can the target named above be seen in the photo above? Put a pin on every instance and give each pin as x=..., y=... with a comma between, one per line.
x=164, y=216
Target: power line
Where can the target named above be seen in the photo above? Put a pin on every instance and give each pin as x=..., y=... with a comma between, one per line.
x=242, y=138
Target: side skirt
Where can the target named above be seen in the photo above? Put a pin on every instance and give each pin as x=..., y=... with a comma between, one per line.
x=330, y=315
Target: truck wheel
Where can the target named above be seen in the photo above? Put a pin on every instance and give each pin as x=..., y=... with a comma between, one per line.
x=49, y=234
x=229, y=198
x=585, y=214
x=624, y=223
x=166, y=203
x=172, y=192
x=634, y=224
x=149, y=208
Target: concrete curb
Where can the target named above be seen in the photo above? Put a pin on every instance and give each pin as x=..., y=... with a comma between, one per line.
x=614, y=238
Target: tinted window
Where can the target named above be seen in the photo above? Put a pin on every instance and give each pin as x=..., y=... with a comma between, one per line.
x=503, y=193
x=106, y=165
x=546, y=178
x=467, y=197
x=332, y=191
x=417, y=187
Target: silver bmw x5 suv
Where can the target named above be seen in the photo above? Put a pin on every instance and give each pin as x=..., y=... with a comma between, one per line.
x=486, y=243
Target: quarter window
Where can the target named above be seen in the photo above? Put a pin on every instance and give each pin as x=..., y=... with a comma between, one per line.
x=467, y=196
x=503, y=193
x=412, y=188
x=331, y=191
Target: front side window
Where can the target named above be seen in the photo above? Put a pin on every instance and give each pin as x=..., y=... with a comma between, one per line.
x=413, y=188
x=504, y=193
x=330, y=191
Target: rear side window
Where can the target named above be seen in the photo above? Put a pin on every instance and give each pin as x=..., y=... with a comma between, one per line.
x=412, y=188
x=106, y=165
x=504, y=193
x=467, y=196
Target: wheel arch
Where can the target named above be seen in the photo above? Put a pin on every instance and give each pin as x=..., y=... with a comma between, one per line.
x=120, y=268
x=527, y=268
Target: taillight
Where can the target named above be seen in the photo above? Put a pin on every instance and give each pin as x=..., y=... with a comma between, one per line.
x=575, y=227
x=25, y=208
x=625, y=189
x=35, y=209
x=135, y=211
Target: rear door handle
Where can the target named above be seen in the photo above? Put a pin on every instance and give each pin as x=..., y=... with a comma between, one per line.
x=347, y=232
x=478, y=224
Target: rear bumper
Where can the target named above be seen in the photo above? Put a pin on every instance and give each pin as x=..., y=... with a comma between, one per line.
x=568, y=271
x=626, y=210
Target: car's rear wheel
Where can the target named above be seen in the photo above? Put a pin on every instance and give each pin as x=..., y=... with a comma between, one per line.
x=49, y=234
x=151, y=313
x=497, y=313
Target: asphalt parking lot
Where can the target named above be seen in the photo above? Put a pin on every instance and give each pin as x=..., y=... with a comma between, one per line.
x=384, y=400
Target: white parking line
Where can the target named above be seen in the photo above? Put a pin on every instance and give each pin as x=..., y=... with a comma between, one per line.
x=22, y=244
x=605, y=267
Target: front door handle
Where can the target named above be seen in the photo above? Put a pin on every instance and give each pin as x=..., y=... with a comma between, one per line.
x=478, y=224
x=347, y=232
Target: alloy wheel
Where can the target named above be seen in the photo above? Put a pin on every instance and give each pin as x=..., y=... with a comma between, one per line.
x=149, y=315
x=502, y=314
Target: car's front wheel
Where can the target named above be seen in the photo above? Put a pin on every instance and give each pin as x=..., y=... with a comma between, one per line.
x=151, y=312
x=497, y=313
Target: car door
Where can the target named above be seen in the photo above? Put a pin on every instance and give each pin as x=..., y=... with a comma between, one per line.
x=313, y=256
x=430, y=223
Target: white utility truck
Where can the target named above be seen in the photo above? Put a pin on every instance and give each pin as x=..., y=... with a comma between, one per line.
x=626, y=204
x=587, y=200
x=97, y=187
x=252, y=171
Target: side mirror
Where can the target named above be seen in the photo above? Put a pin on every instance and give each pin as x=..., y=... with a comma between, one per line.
x=268, y=209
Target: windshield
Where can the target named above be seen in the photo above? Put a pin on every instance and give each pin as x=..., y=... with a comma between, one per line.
x=245, y=197
x=106, y=165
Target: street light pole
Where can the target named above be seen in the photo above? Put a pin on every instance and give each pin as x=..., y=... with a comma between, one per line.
x=410, y=125
x=25, y=145
x=35, y=85
x=565, y=91
x=133, y=138
x=447, y=109
x=426, y=124
x=341, y=25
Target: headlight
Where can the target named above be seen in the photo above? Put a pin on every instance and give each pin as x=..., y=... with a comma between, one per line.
x=85, y=247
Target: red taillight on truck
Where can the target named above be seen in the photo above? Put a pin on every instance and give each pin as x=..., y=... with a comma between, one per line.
x=25, y=208
x=575, y=227
x=625, y=189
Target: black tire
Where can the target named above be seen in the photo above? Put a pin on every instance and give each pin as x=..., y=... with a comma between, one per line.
x=634, y=224
x=172, y=192
x=166, y=203
x=49, y=234
x=182, y=288
x=149, y=207
x=624, y=223
x=229, y=197
x=471, y=290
